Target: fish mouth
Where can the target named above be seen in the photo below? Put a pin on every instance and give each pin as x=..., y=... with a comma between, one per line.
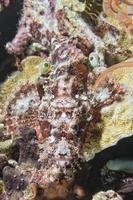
x=62, y=161
x=62, y=158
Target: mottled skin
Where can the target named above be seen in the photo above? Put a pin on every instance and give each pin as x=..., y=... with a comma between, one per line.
x=66, y=109
x=63, y=115
x=61, y=120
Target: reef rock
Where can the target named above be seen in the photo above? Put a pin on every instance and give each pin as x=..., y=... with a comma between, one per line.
x=108, y=195
x=116, y=119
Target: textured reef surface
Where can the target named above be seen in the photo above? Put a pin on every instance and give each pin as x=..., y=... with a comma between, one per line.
x=4, y=4
x=70, y=98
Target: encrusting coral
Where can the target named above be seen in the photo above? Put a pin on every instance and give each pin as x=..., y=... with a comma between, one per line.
x=4, y=4
x=108, y=195
x=122, y=11
x=59, y=109
x=116, y=119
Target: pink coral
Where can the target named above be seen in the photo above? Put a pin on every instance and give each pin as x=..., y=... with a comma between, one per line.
x=50, y=28
x=5, y=2
x=20, y=41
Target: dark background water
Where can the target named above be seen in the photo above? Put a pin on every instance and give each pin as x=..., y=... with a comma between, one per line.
x=9, y=19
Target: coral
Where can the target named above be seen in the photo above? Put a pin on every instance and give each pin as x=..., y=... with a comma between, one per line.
x=115, y=123
x=126, y=186
x=31, y=72
x=108, y=195
x=62, y=34
x=4, y=4
x=28, y=148
x=3, y=162
x=5, y=145
x=115, y=177
x=122, y=11
x=57, y=111
x=18, y=180
x=92, y=10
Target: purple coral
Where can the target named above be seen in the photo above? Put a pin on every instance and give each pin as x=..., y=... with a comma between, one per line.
x=50, y=28
x=20, y=41
x=14, y=179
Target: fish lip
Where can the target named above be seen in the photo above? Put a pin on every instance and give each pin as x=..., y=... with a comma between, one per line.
x=62, y=159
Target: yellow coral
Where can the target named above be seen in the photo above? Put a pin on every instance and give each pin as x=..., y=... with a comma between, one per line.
x=74, y=5
x=31, y=72
x=108, y=195
x=119, y=14
x=117, y=119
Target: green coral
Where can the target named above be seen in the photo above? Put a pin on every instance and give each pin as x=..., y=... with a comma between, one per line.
x=30, y=72
x=1, y=187
x=125, y=41
x=5, y=145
